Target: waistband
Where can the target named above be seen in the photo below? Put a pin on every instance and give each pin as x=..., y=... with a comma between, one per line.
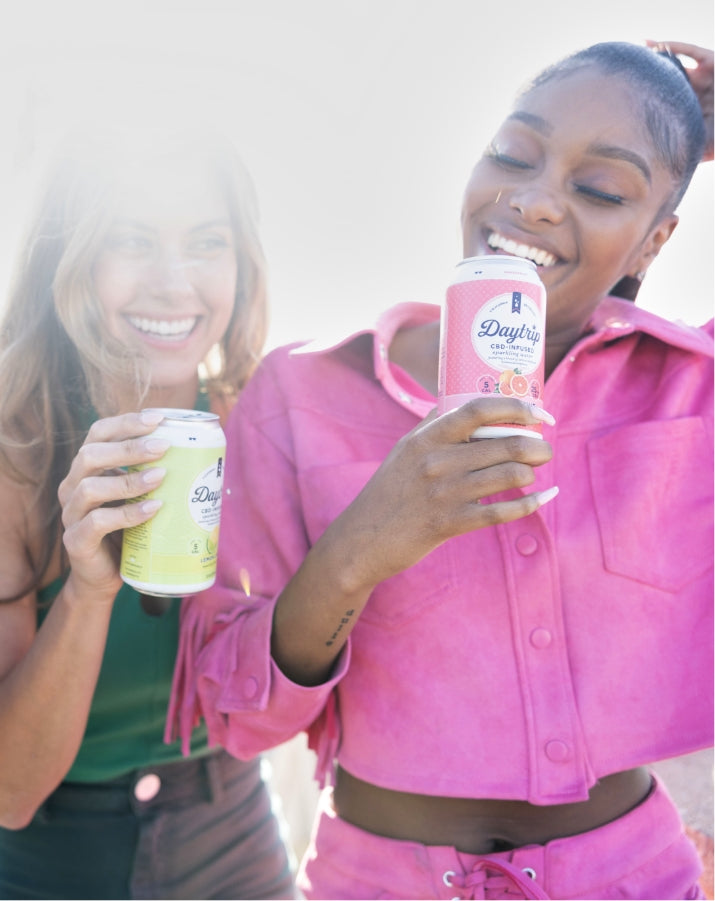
x=572, y=867
x=169, y=785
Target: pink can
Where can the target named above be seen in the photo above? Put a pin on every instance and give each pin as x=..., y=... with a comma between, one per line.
x=492, y=337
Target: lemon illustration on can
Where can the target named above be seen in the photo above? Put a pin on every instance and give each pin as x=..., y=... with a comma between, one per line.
x=212, y=541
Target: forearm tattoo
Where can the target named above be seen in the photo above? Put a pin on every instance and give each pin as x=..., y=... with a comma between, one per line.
x=343, y=622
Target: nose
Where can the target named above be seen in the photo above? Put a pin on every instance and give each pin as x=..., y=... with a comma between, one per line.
x=537, y=202
x=171, y=276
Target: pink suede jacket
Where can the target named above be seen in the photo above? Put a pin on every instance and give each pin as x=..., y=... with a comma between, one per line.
x=522, y=661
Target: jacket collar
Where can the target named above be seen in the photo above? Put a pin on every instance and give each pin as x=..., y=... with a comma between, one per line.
x=613, y=318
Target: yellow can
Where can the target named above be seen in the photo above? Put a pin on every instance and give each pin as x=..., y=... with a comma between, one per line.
x=174, y=553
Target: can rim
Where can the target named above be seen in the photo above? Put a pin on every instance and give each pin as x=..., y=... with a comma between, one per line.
x=187, y=417
x=498, y=258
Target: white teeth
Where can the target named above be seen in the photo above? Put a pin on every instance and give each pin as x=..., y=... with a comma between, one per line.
x=163, y=327
x=540, y=256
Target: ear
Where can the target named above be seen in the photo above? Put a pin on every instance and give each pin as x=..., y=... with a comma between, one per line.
x=654, y=242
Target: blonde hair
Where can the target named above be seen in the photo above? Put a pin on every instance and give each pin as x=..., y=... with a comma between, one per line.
x=58, y=362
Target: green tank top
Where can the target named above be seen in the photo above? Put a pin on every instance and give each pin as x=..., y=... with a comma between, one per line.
x=125, y=728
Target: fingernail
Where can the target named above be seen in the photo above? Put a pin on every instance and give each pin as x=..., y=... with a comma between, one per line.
x=543, y=497
x=153, y=476
x=541, y=414
x=156, y=445
x=151, y=417
x=151, y=506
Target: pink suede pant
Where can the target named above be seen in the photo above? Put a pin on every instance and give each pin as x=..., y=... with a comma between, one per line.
x=644, y=854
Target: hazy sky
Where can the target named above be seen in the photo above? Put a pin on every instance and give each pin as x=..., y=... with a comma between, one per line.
x=360, y=122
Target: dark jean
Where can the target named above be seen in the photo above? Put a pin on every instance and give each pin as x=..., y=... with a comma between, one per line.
x=209, y=832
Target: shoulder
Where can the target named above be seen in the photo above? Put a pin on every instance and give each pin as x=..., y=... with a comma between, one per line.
x=296, y=375
x=355, y=350
x=615, y=316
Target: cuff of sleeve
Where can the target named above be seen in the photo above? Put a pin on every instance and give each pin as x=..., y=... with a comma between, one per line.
x=247, y=702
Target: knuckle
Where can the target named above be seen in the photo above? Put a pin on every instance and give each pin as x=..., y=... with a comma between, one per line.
x=87, y=494
x=94, y=432
x=137, y=446
x=518, y=475
x=84, y=456
x=473, y=406
x=517, y=447
x=72, y=540
x=431, y=468
x=477, y=408
x=417, y=442
x=63, y=492
x=130, y=484
x=68, y=539
x=127, y=512
x=490, y=515
x=66, y=521
x=93, y=520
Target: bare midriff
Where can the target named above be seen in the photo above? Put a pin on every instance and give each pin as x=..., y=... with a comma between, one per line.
x=484, y=825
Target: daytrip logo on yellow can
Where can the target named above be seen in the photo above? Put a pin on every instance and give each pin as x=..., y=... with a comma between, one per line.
x=174, y=553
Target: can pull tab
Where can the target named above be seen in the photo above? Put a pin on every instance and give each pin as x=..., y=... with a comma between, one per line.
x=154, y=605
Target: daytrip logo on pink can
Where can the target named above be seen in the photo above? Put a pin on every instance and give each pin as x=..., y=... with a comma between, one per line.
x=492, y=337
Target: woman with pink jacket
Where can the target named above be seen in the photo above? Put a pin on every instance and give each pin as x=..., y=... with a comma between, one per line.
x=485, y=668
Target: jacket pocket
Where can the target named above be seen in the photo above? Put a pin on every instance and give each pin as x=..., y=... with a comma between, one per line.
x=652, y=490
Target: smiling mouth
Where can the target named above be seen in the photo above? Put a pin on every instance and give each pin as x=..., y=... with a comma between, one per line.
x=536, y=254
x=168, y=329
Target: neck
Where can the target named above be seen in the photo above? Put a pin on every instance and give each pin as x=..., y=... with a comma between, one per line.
x=181, y=397
x=553, y=356
x=416, y=350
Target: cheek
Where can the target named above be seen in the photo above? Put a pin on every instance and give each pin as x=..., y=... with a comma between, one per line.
x=611, y=244
x=473, y=194
x=113, y=285
x=221, y=284
x=218, y=290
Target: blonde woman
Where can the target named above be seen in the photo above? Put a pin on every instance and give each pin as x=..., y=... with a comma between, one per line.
x=141, y=284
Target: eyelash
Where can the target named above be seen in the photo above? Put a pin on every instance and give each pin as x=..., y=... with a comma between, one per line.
x=129, y=242
x=211, y=243
x=600, y=196
x=139, y=245
x=507, y=161
x=591, y=193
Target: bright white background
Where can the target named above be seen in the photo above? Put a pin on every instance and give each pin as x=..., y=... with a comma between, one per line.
x=360, y=122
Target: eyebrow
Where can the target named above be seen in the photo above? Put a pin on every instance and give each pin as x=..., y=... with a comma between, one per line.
x=535, y=122
x=131, y=223
x=613, y=152
x=211, y=223
x=609, y=151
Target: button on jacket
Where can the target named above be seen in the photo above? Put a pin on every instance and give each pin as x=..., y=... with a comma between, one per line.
x=519, y=661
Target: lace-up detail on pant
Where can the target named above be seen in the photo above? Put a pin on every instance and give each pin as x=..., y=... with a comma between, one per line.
x=495, y=879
